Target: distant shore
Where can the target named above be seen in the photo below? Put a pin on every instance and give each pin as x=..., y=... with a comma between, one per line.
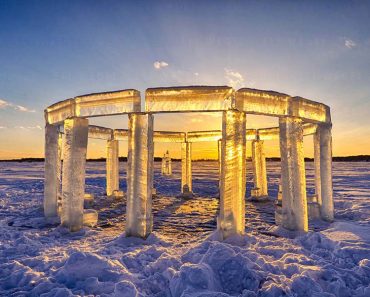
x=359, y=158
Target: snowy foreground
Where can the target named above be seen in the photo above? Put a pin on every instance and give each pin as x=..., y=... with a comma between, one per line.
x=182, y=257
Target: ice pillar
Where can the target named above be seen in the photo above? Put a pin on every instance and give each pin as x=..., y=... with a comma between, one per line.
x=233, y=174
x=327, y=205
x=166, y=164
x=219, y=150
x=52, y=165
x=259, y=170
x=293, y=179
x=186, y=177
x=140, y=175
x=74, y=164
x=59, y=174
x=112, y=167
x=316, y=143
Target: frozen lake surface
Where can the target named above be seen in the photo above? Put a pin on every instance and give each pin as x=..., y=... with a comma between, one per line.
x=180, y=258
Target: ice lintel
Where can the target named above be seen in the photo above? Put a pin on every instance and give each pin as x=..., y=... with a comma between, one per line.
x=309, y=110
x=120, y=134
x=99, y=132
x=96, y=104
x=169, y=136
x=189, y=99
x=272, y=103
x=108, y=103
x=199, y=136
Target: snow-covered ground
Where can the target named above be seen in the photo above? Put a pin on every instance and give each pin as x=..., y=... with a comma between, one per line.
x=181, y=258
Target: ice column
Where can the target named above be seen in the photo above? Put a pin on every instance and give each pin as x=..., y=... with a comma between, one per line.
x=233, y=174
x=166, y=164
x=59, y=174
x=140, y=175
x=112, y=167
x=327, y=205
x=186, y=178
x=74, y=161
x=293, y=180
x=259, y=170
x=316, y=143
x=219, y=146
x=52, y=165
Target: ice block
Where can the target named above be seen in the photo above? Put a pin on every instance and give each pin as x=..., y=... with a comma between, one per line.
x=192, y=99
x=73, y=182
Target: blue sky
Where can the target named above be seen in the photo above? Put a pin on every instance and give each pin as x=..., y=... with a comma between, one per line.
x=52, y=50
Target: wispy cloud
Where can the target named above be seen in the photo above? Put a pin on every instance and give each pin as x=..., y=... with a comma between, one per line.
x=160, y=64
x=349, y=43
x=234, y=78
x=37, y=127
x=5, y=104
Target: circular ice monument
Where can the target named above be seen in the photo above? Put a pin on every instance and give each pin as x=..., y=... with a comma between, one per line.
x=67, y=132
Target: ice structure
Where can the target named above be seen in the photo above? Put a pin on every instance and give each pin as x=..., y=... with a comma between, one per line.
x=73, y=182
x=166, y=168
x=298, y=117
x=260, y=189
x=140, y=175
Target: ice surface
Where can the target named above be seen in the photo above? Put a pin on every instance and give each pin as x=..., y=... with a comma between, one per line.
x=194, y=98
x=293, y=179
x=73, y=182
x=99, y=104
x=38, y=259
x=140, y=175
x=233, y=174
x=100, y=132
x=112, y=166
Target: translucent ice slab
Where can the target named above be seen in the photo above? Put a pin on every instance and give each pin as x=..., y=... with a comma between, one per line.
x=278, y=104
x=194, y=98
x=198, y=136
x=100, y=132
x=99, y=104
x=169, y=136
x=120, y=134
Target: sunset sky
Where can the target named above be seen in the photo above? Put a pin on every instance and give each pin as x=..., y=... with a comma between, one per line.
x=53, y=50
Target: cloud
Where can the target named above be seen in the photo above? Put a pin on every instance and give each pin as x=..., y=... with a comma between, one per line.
x=350, y=43
x=234, y=78
x=37, y=127
x=2, y=127
x=196, y=73
x=5, y=104
x=160, y=64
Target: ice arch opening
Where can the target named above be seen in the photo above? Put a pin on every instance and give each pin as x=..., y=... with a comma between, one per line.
x=297, y=117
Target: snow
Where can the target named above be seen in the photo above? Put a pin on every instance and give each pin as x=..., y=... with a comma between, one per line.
x=183, y=256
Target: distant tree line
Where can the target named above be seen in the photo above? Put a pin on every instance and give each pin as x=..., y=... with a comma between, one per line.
x=359, y=158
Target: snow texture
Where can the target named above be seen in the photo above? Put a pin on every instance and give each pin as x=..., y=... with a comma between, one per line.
x=183, y=256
